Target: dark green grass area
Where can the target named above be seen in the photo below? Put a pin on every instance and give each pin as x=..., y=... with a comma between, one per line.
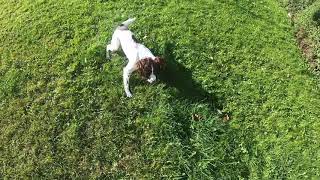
x=63, y=113
x=295, y=6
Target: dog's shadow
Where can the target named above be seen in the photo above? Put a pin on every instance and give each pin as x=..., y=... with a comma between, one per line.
x=178, y=76
x=316, y=17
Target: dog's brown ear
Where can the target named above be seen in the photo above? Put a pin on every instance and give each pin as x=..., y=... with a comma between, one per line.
x=160, y=61
x=145, y=67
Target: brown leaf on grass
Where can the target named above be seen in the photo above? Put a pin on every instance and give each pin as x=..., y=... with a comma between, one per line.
x=196, y=117
x=226, y=118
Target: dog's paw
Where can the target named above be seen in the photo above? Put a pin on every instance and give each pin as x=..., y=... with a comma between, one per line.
x=129, y=95
x=152, y=78
x=150, y=81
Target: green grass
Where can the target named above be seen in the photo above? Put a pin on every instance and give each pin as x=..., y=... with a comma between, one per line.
x=309, y=19
x=306, y=20
x=294, y=6
x=63, y=113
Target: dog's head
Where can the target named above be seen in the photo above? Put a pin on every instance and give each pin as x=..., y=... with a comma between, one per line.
x=146, y=65
x=158, y=64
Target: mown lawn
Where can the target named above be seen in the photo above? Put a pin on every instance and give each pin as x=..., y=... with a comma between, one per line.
x=63, y=113
x=308, y=22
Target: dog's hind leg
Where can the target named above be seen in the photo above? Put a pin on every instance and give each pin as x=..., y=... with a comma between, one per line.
x=113, y=46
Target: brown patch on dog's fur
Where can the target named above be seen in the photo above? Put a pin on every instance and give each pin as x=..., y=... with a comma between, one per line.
x=145, y=66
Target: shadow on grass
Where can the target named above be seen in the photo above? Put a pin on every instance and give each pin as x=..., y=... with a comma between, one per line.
x=177, y=76
x=218, y=135
x=316, y=17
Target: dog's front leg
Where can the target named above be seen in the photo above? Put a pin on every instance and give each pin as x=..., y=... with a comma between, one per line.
x=152, y=77
x=127, y=71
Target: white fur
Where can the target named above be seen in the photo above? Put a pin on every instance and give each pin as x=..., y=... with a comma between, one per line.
x=134, y=51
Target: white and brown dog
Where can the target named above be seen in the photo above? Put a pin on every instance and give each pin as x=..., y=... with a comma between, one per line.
x=140, y=57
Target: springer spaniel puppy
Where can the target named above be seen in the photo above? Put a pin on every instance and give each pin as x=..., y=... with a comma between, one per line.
x=140, y=57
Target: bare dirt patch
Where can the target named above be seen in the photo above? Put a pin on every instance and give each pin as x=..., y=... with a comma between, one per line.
x=306, y=47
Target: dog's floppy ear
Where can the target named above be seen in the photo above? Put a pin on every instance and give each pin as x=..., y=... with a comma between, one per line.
x=160, y=61
x=145, y=67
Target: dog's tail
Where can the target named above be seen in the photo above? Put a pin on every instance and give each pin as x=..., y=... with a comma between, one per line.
x=128, y=22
